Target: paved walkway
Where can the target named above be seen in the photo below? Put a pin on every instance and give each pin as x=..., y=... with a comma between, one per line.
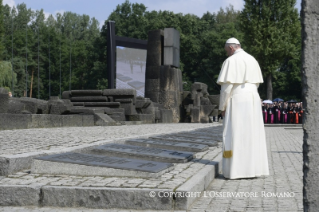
x=285, y=163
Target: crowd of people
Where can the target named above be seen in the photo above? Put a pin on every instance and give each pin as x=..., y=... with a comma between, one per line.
x=282, y=112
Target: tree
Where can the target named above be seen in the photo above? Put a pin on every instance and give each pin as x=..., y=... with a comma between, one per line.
x=6, y=75
x=272, y=34
x=1, y=30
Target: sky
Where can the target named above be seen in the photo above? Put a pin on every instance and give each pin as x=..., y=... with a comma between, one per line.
x=101, y=9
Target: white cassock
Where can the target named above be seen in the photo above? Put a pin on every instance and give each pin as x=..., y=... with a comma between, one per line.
x=244, y=132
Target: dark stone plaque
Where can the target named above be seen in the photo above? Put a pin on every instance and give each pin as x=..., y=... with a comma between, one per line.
x=145, y=153
x=210, y=142
x=191, y=147
x=190, y=135
x=108, y=162
x=136, y=84
x=124, y=78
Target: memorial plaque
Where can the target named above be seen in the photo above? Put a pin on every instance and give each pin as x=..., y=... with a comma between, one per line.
x=108, y=162
x=210, y=142
x=189, y=135
x=190, y=147
x=162, y=155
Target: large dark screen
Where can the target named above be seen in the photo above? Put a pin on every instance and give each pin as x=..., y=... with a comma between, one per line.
x=130, y=69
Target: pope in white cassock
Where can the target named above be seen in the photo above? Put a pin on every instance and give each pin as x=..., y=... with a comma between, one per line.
x=244, y=142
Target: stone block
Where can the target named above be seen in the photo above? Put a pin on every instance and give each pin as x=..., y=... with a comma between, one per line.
x=152, y=85
x=15, y=106
x=78, y=103
x=205, y=101
x=199, y=87
x=30, y=104
x=170, y=100
x=102, y=104
x=104, y=198
x=129, y=108
x=152, y=95
x=19, y=195
x=87, y=120
x=150, y=110
x=86, y=92
x=171, y=56
x=186, y=98
x=157, y=114
x=118, y=116
x=310, y=83
x=152, y=72
x=166, y=116
x=124, y=100
x=171, y=37
x=214, y=99
x=66, y=95
x=14, y=121
x=145, y=118
x=110, y=111
x=142, y=103
x=43, y=107
x=154, y=48
x=45, y=121
x=188, y=108
x=83, y=110
x=197, y=99
x=206, y=110
x=58, y=106
x=72, y=121
x=89, y=99
x=119, y=92
x=195, y=115
x=171, y=79
x=101, y=119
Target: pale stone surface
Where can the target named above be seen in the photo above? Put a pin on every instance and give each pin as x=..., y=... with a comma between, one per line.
x=310, y=68
x=285, y=164
x=285, y=157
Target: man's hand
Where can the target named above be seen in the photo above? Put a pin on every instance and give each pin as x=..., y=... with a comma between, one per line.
x=223, y=114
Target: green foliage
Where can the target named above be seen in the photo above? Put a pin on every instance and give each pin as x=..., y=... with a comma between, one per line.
x=6, y=74
x=1, y=31
x=41, y=48
x=73, y=45
x=272, y=35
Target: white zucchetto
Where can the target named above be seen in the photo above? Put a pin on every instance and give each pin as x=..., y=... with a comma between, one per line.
x=232, y=40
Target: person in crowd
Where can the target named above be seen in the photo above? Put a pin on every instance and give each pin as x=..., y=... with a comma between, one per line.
x=276, y=113
x=264, y=110
x=270, y=111
x=284, y=114
x=290, y=113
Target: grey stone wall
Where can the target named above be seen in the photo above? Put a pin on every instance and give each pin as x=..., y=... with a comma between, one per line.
x=310, y=70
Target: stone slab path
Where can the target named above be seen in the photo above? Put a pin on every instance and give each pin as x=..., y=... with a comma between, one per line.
x=285, y=164
x=285, y=181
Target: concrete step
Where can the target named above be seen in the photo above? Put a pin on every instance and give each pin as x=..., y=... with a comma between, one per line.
x=178, y=193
